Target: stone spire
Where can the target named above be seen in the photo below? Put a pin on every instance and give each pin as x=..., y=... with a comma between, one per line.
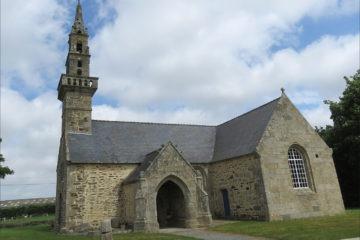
x=79, y=26
x=76, y=86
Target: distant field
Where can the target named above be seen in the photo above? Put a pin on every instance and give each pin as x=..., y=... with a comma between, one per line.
x=322, y=228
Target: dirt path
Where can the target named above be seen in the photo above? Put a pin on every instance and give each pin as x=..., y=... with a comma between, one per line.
x=206, y=234
x=202, y=233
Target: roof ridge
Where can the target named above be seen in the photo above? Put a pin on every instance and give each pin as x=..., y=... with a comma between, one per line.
x=155, y=123
x=254, y=109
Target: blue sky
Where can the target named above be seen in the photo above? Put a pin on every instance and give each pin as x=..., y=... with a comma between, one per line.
x=200, y=62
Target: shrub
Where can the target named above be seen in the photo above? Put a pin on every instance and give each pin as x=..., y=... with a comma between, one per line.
x=35, y=209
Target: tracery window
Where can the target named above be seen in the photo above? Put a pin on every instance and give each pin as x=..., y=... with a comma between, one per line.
x=297, y=166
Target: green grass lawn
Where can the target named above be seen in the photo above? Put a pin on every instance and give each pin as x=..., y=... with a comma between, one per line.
x=44, y=232
x=335, y=227
x=28, y=220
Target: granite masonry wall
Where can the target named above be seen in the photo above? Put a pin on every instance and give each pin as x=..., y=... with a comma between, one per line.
x=170, y=166
x=61, y=179
x=77, y=112
x=127, y=204
x=93, y=194
x=242, y=179
x=323, y=197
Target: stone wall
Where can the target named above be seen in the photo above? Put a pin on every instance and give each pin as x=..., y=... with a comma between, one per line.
x=202, y=169
x=169, y=165
x=93, y=194
x=286, y=128
x=61, y=179
x=242, y=178
x=74, y=55
x=127, y=203
x=77, y=112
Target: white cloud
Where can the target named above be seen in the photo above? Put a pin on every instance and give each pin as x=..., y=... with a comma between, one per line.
x=181, y=115
x=215, y=57
x=30, y=134
x=163, y=61
x=32, y=33
x=319, y=116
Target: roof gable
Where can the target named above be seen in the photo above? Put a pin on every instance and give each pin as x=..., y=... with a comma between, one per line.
x=241, y=135
x=153, y=157
x=149, y=158
x=288, y=123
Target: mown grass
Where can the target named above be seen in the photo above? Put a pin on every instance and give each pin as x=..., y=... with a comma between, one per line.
x=44, y=232
x=321, y=228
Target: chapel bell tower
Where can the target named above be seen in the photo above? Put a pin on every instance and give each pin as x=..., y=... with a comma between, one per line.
x=76, y=87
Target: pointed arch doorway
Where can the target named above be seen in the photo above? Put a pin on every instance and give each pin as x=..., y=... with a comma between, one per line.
x=171, y=206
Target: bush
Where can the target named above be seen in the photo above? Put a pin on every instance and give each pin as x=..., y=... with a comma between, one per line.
x=34, y=210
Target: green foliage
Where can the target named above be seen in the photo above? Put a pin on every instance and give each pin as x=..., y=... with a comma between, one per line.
x=3, y=169
x=35, y=209
x=327, y=228
x=344, y=139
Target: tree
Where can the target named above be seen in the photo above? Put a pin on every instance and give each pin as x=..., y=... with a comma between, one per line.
x=344, y=139
x=4, y=170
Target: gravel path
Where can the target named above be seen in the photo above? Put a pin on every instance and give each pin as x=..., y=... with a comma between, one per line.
x=206, y=234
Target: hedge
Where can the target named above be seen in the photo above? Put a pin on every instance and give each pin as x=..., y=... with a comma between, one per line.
x=34, y=209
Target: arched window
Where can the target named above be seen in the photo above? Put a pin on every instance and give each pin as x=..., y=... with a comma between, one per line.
x=79, y=72
x=79, y=63
x=79, y=47
x=297, y=166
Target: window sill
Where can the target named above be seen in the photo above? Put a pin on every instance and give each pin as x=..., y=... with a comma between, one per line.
x=304, y=191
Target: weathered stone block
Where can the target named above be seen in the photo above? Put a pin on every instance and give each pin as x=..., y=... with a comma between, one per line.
x=106, y=236
x=106, y=226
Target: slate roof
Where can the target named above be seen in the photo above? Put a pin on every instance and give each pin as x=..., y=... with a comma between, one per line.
x=134, y=175
x=131, y=142
x=241, y=135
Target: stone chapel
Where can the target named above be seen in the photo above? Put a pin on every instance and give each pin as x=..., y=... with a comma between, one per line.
x=267, y=164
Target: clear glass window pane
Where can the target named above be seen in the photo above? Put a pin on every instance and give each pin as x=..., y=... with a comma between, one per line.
x=297, y=168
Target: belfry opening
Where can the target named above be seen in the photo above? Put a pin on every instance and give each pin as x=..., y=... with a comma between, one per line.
x=170, y=205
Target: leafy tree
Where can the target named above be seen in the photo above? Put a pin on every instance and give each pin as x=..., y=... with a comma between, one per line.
x=344, y=139
x=3, y=169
